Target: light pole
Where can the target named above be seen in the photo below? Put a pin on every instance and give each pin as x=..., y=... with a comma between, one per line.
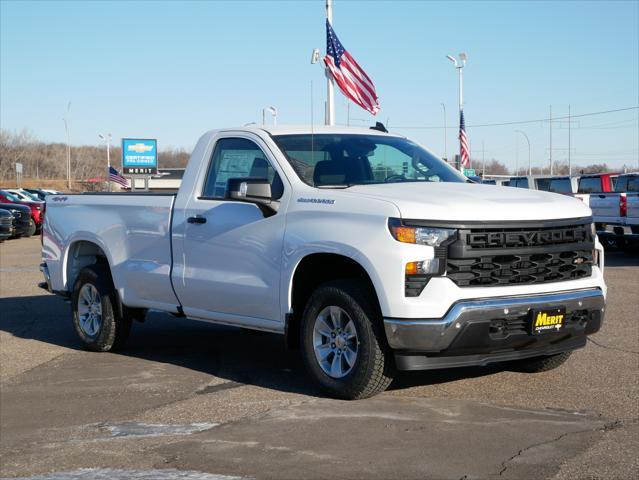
x=107, y=140
x=65, y=119
x=529, y=158
x=273, y=111
x=459, y=65
x=445, y=143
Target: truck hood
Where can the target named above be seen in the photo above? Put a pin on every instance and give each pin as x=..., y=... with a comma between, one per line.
x=472, y=202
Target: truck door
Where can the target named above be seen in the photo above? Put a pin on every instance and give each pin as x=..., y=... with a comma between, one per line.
x=227, y=253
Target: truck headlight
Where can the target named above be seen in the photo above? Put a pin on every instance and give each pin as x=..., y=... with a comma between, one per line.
x=418, y=273
x=431, y=236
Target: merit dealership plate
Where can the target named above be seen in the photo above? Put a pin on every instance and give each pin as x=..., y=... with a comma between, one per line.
x=548, y=320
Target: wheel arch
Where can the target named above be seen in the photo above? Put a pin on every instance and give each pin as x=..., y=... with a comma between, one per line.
x=82, y=253
x=310, y=272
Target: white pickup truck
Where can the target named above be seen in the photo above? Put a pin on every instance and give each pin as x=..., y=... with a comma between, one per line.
x=616, y=214
x=366, y=250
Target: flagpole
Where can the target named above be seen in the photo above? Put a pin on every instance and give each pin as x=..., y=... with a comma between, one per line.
x=330, y=96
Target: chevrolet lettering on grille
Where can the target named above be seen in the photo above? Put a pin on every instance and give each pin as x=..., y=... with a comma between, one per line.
x=527, y=239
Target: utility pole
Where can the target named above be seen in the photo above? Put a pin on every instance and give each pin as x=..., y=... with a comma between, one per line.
x=569, y=127
x=330, y=95
x=65, y=119
x=516, y=157
x=550, y=118
x=483, y=160
x=445, y=142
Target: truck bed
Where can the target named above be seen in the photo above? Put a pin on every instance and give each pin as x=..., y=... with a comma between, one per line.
x=132, y=229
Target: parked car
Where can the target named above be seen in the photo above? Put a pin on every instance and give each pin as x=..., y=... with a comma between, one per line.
x=554, y=184
x=24, y=226
x=23, y=194
x=616, y=214
x=40, y=194
x=364, y=249
x=37, y=208
x=6, y=225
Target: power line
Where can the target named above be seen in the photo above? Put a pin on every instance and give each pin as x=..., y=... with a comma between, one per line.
x=521, y=122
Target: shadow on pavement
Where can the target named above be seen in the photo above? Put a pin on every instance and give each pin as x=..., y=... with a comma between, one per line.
x=234, y=354
x=619, y=258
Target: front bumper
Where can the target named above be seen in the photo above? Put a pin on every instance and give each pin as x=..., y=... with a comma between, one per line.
x=494, y=327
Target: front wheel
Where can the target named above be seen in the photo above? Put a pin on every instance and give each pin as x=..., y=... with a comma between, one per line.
x=343, y=343
x=95, y=314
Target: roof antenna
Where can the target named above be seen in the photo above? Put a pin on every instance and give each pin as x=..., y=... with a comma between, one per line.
x=379, y=126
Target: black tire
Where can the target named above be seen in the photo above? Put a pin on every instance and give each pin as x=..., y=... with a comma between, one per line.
x=113, y=330
x=539, y=364
x=31, y=230
x=373, y=369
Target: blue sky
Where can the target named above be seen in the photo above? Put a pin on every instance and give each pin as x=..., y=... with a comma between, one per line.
x=172, y=70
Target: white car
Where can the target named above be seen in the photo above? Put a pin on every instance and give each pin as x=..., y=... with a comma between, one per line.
x=364, y=249
x=23, y=195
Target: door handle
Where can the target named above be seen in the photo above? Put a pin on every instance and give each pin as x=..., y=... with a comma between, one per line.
x=196, y=219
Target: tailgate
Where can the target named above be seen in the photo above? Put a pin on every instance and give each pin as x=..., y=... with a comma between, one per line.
x=605, y=207
x=632, y=206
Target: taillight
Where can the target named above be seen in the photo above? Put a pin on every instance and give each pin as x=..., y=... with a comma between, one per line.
x=623, y=206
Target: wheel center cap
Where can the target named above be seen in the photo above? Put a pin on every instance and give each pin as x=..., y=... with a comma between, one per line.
x=340, y=342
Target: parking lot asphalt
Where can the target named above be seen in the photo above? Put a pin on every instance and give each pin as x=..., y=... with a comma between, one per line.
x=188, y=399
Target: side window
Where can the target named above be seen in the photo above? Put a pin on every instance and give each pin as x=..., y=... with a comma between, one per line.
x=234, y=158
x=622, y=184
x=560, y=185
x=589, y=185
x=543, y=184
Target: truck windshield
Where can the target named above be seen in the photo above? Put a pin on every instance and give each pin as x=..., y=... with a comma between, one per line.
x=342, y=160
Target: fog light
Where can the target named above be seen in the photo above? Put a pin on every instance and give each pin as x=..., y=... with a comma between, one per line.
x=425, y=267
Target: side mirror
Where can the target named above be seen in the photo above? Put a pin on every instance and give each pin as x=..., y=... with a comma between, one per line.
x=250, y=189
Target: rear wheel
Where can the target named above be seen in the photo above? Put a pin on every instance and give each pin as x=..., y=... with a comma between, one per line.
x=539, y=364
x=95, y=313
x=343, y=343
x=31, y=230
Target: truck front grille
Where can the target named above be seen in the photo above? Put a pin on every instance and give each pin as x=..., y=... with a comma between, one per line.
x=520, y=269
x=524, y=254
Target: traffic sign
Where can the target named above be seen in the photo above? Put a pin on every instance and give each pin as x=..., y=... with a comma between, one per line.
x=469, y=172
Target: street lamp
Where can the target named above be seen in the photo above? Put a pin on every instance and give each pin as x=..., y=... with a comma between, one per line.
x=528, y=141
x=107, y=140
x=445, y=143
x=273, y=111
x=459, y=65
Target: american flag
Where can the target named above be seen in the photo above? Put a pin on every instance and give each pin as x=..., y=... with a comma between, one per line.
x=350, y=77
x=114, y=176
x=464, y=151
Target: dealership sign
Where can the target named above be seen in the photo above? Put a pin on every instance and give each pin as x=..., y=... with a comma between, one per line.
x=139, y=156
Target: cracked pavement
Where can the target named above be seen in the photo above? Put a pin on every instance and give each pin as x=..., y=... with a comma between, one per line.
x=188, y=399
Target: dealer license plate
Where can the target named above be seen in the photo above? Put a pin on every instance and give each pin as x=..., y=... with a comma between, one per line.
x=548, y=320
